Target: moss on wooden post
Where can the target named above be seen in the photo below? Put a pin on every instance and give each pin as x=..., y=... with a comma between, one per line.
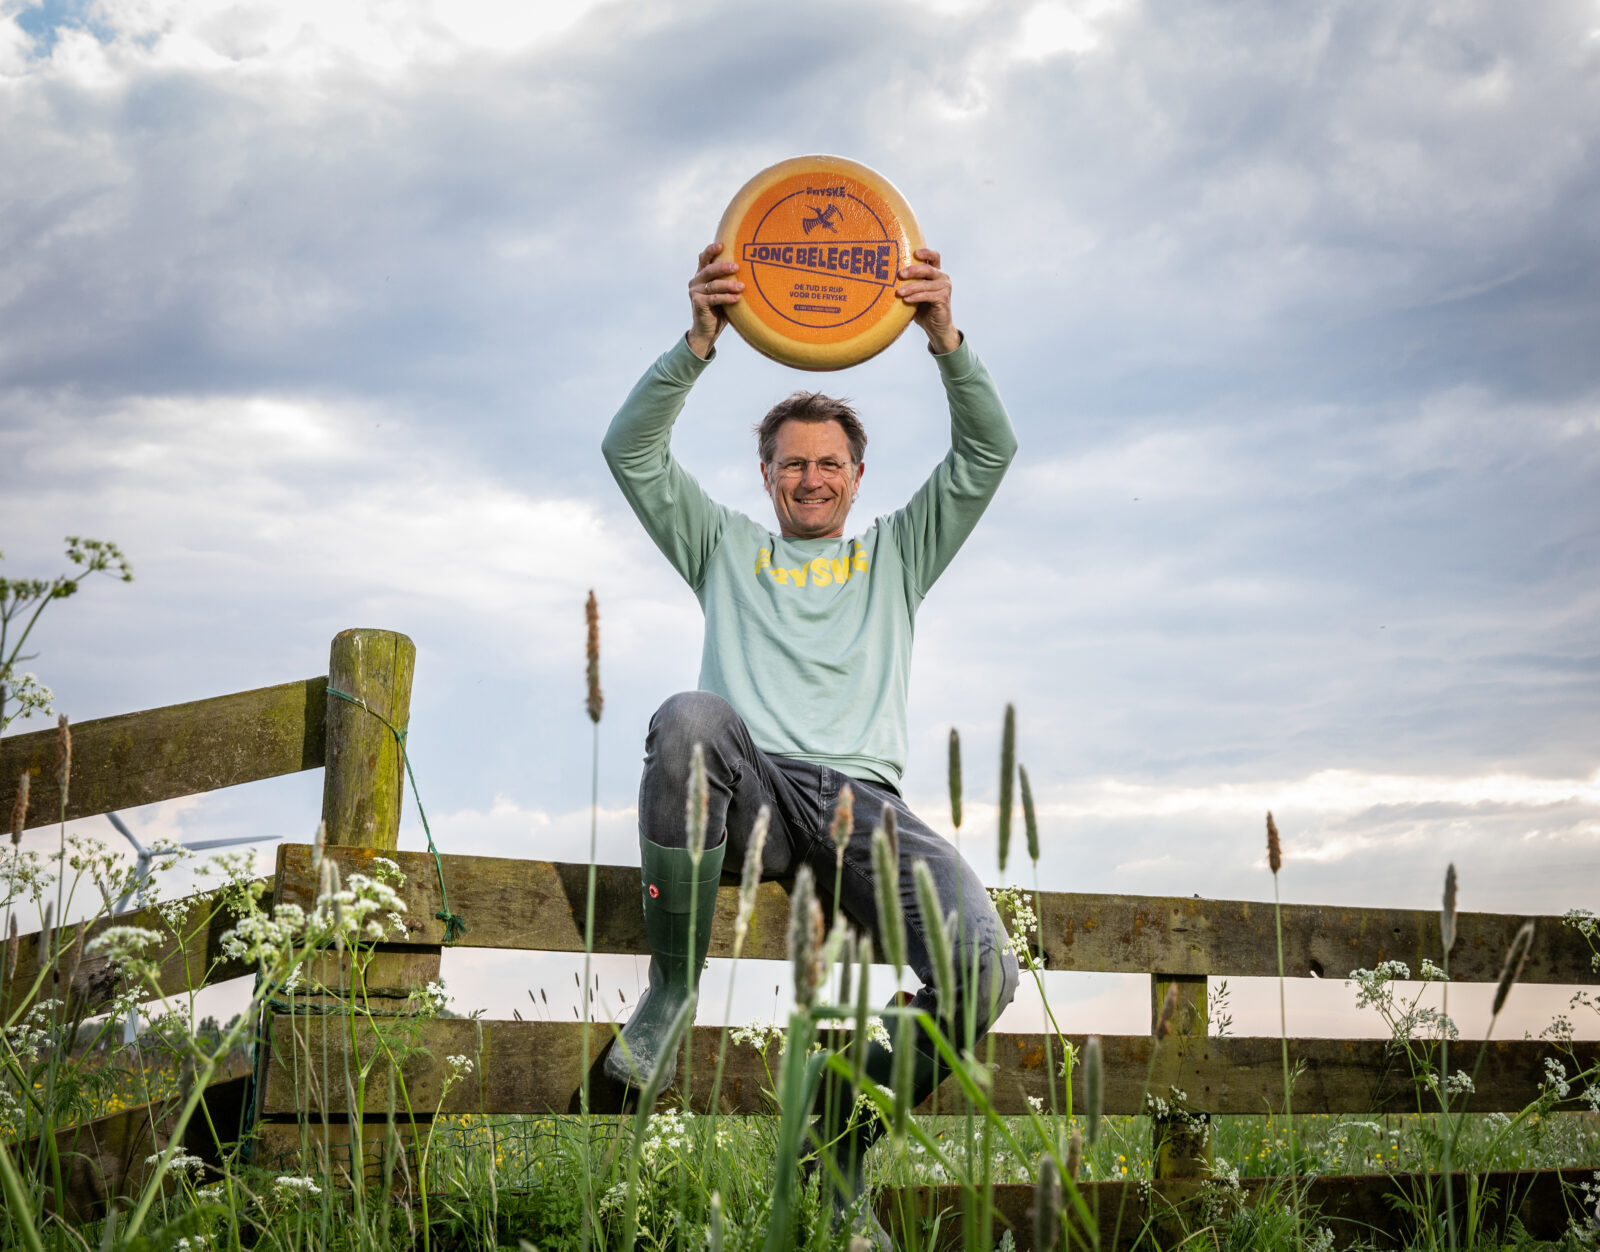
x=364, y=780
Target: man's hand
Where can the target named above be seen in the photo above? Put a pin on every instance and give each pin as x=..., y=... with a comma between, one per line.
x=928, y=287
x=712, y=287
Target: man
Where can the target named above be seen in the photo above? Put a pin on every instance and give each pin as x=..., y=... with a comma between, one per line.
x=803, y=673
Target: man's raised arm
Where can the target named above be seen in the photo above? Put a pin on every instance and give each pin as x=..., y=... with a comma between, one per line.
x=673, y=508
x=938, y=518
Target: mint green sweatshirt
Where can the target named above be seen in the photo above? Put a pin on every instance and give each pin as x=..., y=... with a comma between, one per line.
x=810, y=639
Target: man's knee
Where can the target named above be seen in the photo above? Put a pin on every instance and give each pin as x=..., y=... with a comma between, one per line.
x=685, y=719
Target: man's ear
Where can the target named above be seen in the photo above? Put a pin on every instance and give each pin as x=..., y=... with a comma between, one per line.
x=766, y=483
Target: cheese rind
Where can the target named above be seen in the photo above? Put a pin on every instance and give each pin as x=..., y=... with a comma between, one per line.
x=819, y=241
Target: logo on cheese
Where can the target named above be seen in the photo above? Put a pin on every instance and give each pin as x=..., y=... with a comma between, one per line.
x=820, y=242
x=807, y=284
x=821, y=571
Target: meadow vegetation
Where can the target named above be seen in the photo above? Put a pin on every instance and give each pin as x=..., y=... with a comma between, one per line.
x=664, y=1177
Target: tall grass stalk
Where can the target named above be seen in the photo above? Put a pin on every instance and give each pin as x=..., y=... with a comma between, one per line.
x=749, y=884
x=1275, y=863
x=1510, y=973
x=1447, y=940
x=594, y=704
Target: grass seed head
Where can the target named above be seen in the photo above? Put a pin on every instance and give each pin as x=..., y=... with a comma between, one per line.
x=938, y=937
x=19, y=808
x=891, y=831
x=10, y=965
x=955, y=777
x=1030, y=823
x=715, y=1234
x=750, y=878
x=903, y=1075
x=859, y=1041
x=886, y=887
x=1047, y=1205
x=1274, y=847
x=697, y=803
x=1169, y=1009
x=63, y=756
x=1075, y=1154
x=1447, y=915
x=42, y=955
x=1008, y=771
x=1516, y=958
x=1093, y=1086
x=805, y=938
x=591, y=615
x=844, y=818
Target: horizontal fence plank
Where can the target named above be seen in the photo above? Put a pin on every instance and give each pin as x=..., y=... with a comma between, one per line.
x=108, y=1157
x=536, y=1067
x=161, y=754
x=190, y=956
x=539, y=905
x=1356, y=1208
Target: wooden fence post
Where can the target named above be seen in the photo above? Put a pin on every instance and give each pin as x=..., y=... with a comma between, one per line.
x=363, y=792
x=364, y=775
x=1180, y=1139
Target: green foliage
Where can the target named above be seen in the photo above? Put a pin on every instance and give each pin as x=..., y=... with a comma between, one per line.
x=23, y=601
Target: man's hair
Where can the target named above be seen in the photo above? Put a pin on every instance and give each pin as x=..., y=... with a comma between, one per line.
x=810, y=406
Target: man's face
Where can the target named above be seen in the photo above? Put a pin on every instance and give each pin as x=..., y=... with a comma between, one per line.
x=811, y=479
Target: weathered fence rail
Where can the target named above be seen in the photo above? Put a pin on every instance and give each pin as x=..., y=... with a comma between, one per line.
x=529, y=905
x=162, y=754
x=539, y=906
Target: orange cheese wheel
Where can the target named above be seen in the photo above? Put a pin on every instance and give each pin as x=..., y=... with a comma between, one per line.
x=819, y=241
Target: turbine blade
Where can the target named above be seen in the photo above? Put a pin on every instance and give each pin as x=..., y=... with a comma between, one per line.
x=200, y=845
x=123, y=830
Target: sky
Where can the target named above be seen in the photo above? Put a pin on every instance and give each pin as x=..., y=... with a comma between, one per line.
x=320, y=311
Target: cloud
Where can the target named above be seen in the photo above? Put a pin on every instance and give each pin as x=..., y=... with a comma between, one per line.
x=321, y=310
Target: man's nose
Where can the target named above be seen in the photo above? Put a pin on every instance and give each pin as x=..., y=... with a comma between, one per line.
x=811, y=478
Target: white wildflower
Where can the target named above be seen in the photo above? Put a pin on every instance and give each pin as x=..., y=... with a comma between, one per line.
x=879, y=1033
x=181, y=1162
x=289, y=1183
x=759, y=1035
x=387, y=871
x=119, y=943
x=1555, y=1078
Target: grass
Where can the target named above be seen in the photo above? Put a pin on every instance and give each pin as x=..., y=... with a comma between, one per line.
x=493, y=1180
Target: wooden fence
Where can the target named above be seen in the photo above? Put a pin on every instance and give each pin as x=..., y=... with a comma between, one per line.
x=532, y=1067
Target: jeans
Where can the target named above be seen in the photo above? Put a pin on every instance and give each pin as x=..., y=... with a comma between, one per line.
x=801, y=796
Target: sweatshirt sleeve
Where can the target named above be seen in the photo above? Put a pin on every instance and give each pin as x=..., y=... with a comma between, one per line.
x=673, y=508
x=934, y=524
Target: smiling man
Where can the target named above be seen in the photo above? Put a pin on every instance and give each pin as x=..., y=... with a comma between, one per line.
x=803, y=674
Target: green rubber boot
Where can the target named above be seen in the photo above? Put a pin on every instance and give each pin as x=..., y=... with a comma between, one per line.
x=668, y=882
x=851, y=1133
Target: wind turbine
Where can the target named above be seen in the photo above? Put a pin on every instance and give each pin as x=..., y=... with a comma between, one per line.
x=144, y=859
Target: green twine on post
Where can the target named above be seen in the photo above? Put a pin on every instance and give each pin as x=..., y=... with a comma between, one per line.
x=455, y=926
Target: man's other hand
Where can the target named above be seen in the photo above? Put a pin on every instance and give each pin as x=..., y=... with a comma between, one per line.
x=928, y=287
x=710, y=290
